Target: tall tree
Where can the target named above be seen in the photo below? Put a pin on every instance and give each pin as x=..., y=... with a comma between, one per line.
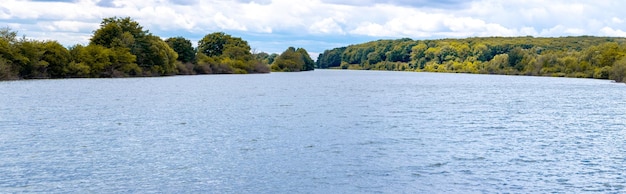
x=184, y=48
x=330, y=58
x=7, y=70
x=288, y=61
x=57, y=57
x=118, y=32
x=99, y=61
x=292, y=60
x=215, y=44
x=151, y=53
x=227, y=54
x=309, y=64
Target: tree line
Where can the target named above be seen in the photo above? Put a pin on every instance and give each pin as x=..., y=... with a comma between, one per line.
x=122, y=48
x=582, y=57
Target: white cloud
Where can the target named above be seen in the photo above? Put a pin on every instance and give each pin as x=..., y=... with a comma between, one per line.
x=71, y=26
x=166, y=18
x=401, y=22
x=371, y=29
x=74, y=22
x=528, y=31
x=437, y=25
x=574, y=31
x=226, y=23
x=617, y=20
x=464, y=24
x=326, y=26
x=5, y=13
x=498, y=30
x=608, y=31
x=560, y=30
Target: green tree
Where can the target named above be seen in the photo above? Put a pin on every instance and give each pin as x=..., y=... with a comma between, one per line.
x=271, y=58
x=184, y=48
x=293, y=60
x=7, y=70
x=99, y=61
x=330, y=58
x=515, y=58
x=262, y=56
x=151, y=53
x=399, y=50
x=29, y=61
x=618, y=71
x=288, y=61
x=215, y=44
x=8, y=35
x=119, y=32
x=497, y=63
x=226, y=54
x=309, y=64
x=159, y=57
x=374, y=58
x=57, y=57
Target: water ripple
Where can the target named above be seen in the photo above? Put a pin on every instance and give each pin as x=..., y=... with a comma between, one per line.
x=314, y=132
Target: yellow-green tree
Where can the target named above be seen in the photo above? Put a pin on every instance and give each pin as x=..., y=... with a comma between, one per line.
x=618, y=71
x=293, y=60
x=151, y=53
x=222, y=53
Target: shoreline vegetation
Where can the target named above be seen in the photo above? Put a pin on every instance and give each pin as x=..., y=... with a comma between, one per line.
x=122, y=48
x=579, y=57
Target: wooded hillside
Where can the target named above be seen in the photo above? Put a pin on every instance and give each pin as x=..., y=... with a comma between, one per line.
x=583, y=57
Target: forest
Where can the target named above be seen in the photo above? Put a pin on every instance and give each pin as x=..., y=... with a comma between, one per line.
x=580, y=57
x=122, y=48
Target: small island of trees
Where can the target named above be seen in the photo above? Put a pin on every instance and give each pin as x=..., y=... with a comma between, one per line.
x=122, y=48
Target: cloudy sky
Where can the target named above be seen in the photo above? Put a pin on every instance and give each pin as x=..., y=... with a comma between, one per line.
x=316, y=25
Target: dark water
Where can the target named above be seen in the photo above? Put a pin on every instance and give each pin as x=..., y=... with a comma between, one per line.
x=314, y=132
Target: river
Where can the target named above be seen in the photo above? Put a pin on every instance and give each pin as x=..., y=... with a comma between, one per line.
x=326, y=131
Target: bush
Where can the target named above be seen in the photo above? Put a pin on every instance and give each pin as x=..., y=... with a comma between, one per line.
x=221, y=68
x=261, y=68
x=240, y=71
x=130, y=70
x=203, y=68
x=78, y=70
x=618, y=71
x=6, y=72
x=185, y=68
x=602, y=73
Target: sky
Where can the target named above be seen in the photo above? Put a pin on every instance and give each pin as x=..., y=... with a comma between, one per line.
x=274, y=25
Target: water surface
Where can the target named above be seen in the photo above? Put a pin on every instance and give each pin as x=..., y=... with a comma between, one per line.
x=313, y=132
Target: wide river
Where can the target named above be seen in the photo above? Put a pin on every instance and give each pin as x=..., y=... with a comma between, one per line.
x=313, y=132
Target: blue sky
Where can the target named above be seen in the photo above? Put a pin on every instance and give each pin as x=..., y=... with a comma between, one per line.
x=316, y=25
